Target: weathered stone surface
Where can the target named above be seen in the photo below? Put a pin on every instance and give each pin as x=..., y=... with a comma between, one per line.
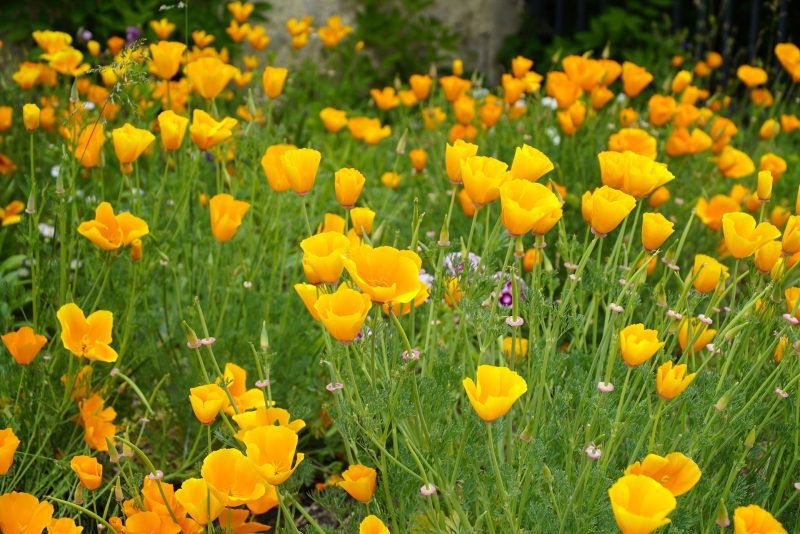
x=481, y=25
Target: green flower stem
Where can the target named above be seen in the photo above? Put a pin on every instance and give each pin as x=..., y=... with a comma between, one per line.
x=82, y=510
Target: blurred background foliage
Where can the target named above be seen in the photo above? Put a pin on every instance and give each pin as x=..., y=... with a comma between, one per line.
x=401, y=35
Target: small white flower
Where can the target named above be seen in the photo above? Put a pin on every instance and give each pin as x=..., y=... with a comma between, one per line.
x=616, y=308
x=791, y=319
x=426, y=490
x=247, y=284
x=47, y=231
x=706, y=320
x=158, y=475
x=413, y=356
x=570, y=266
x=592, y=452
x=782, y=393
x=550, y=102
x=605, y=387
x=514, y=321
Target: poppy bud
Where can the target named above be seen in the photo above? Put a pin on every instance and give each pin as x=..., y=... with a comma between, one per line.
x=30, y=116
x=348, y=184
x=655, y=230
x=764, y=188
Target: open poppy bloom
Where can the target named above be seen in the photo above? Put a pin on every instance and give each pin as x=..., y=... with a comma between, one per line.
x=638, y=344
x=24, y=344
x=272, y=450
x=640, y=504
x=497, y=389
x=109, y=231
x=343, y=312
x=22, y=512
x=8, y=447
x=360, y=482
x=87, y=337
x=672, y=381
x=199, y=501
x=226, y=216
x=385, y=273
x=675, y=472
x=89, y=471
x=232, y=477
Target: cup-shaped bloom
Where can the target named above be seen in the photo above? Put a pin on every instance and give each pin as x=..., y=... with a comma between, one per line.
x=343, y=312
x=129, y=143
x=743, y=237
x=655, y=230
x=90, y=145
x=638, y=344
x=711, y=212
x=109, y=231
x=8, y=447
x=348, y=184
x=198, y=500
x=605, y=208
x=482, y=177
x=300, y=167
x=362, y=219
x=173, y=129
x=333, y=119
x=272, y=164
x=774, y=164
x=323, y=257
x=662, y=108
x=675, y=472
x=88, y=337
x=89, y=471
x=530, y=164
x=420, y=85
x=207, y=401
x=360, y=482
x=226, y=216
x=419, y=158
x=697, y=333
x=496, y=391
x=751, y=76
x=372, y=525
x=734, y=163
x=273, y=80
x=165, y=58
x=672, y=381
x=206, y=132
x=640, y=504
x=24, y=344
x=453, y=155
x=767, y=256
x=385, y=273
x=232, y=477
x=528, y=206
x=209, y=75
x=634, y=78
x=31, y=116
x=791, y=235
x=22, y=513
x=264, y=416
x=634, y=140
x=272, y=450
x=753, y=519
x=309, y=294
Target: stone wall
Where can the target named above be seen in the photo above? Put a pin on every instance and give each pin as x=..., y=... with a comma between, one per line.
x=481, y=25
